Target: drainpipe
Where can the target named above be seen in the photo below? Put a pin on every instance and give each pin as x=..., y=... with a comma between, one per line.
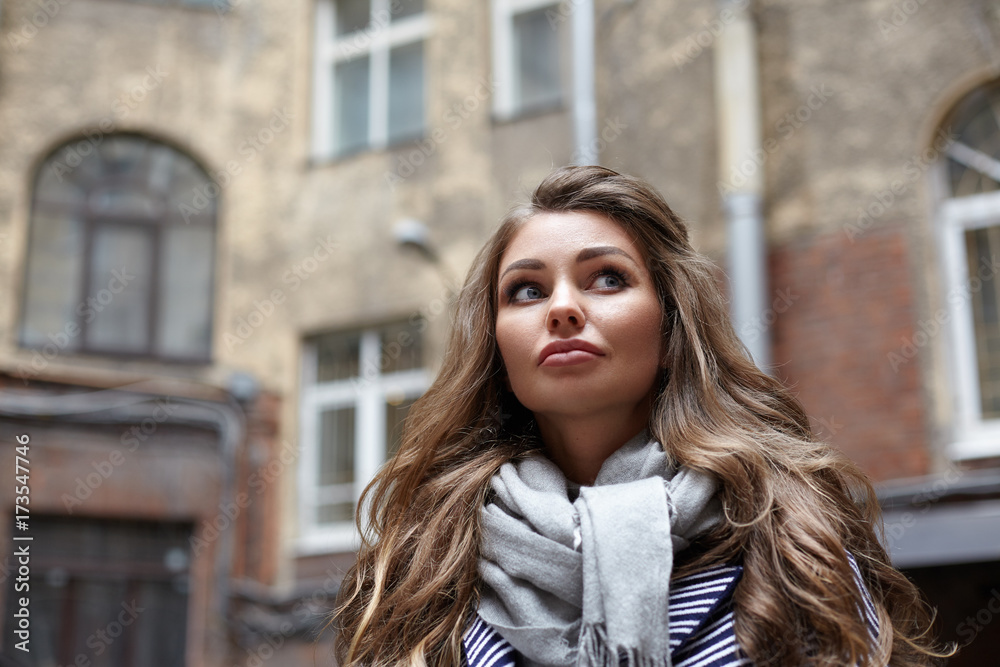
x=584, y=98
x=741, y=177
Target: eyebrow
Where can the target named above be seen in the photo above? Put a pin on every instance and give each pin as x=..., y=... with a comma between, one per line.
x=601, y=251
x=582, y=256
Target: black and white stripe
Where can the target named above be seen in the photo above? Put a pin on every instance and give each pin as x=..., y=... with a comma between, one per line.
x=484, y=647
x=694, y=598
x=701, y=620
x=868, y=608
x=701, y=624
x=698, y=635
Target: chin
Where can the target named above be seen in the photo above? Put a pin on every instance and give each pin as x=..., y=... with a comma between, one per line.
x=573, y=403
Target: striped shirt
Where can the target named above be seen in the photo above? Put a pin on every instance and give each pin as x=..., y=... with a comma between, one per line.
x=701, y=624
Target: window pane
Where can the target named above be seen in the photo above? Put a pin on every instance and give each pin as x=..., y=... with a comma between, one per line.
x=123, y=190
x=404, y=8
x=162, y=162
x=352, y=15
x=396, y=409
x=123, y=155
x=52, y=282
x=59, y=179
x=975, y=122
x=337, y=356
x=981, y=246
x=536, y=48
x=335, y=513
x=406, y=92
x=336, y=453
x=350, y=88
x=389, y=351
x=125, y=202
x=185, y=292
x=402, y=347
x=185, y=206
x=120, y=286
x=336, y=466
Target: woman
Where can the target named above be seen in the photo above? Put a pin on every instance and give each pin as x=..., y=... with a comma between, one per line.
x=600, y=475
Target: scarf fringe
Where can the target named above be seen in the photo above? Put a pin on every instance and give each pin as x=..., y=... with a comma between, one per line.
x=594, y=651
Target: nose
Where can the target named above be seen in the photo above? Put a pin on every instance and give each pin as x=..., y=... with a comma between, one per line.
x=565, y=309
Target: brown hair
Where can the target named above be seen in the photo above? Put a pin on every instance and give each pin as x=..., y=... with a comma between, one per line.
x=795, y=506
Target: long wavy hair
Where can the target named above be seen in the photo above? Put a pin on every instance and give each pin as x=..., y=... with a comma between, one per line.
x=794, y=506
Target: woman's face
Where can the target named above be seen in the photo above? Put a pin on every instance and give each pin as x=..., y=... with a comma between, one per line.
x=578, y=322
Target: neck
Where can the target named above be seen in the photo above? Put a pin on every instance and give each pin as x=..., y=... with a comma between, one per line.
x=579, y=445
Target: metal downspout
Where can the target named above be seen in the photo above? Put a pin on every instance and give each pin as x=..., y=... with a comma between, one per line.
x=584, y=96
x=741, y=183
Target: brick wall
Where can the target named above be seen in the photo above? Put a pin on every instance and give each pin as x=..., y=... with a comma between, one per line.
x=851, y=306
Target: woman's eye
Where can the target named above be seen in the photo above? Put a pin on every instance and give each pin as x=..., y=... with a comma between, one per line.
x=608, y=281
x=527, y=292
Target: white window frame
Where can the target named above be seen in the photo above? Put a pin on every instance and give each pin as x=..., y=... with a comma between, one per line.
x=506, y=76
x=376, y=40
x=973, y=435
x=367, y=394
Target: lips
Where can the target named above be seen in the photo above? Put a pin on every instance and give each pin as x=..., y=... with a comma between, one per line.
x=568, y=352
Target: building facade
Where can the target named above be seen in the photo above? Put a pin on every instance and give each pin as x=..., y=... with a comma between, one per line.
x=231, y=233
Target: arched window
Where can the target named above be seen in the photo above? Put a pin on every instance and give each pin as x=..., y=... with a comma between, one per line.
x=115, y=265
x=969, y=227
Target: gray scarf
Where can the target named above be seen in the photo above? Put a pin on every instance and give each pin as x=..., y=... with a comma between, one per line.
x=587, y=583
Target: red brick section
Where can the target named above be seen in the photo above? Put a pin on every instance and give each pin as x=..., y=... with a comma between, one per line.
x=265, y=463
x=852, y=307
